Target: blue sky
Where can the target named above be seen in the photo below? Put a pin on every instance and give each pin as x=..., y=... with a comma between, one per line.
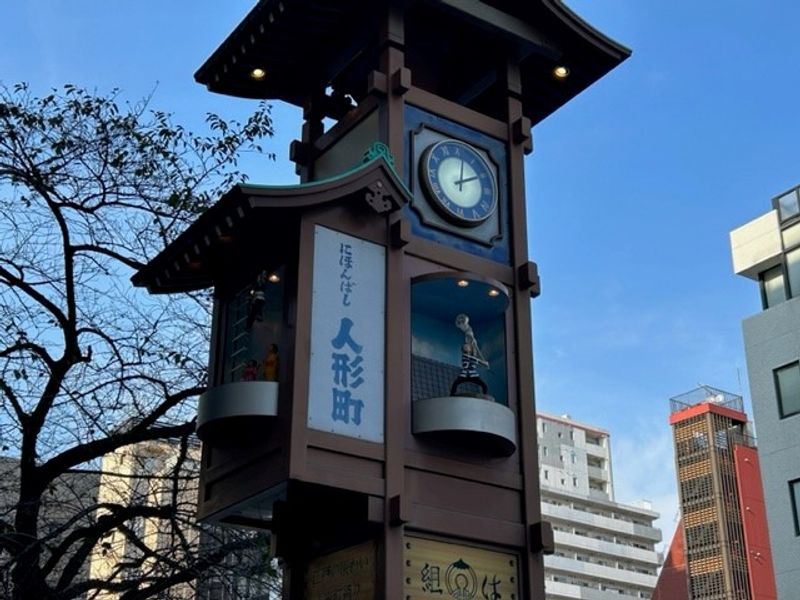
x=632, y=188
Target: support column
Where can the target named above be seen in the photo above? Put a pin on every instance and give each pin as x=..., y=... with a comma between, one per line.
x=519, y=135
x=397, y=415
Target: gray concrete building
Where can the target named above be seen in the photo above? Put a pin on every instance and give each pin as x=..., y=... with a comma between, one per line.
x=767, y=250
x=604, y=550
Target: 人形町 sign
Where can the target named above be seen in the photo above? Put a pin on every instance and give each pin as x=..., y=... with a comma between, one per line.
x=346, y=379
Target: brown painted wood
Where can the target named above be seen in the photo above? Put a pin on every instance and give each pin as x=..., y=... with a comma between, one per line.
x=465, y=527
x=440, y=257
x=344, y=125
x=456, y=112
x=380, y=56
x=524, y=343
x=392, y=63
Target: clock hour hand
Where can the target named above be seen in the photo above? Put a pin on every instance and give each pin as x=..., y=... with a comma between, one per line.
x=460, y=182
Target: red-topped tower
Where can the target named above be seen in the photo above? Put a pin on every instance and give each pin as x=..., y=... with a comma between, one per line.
x=371, y=384
x=723, y=537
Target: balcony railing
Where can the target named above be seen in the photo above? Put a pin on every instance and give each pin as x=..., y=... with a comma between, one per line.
x=706, y=394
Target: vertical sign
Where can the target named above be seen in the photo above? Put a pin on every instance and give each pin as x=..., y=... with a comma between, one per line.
x=346, y=374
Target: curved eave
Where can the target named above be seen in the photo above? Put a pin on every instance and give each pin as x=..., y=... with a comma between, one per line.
x=612, y=48
x=303, y=45
x=300, y=44
x=195, y=260
x=588, y=53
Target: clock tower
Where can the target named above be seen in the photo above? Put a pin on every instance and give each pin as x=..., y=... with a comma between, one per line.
x=371, y=393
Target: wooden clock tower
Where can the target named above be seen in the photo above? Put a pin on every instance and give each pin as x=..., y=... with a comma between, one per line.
x=371, y=394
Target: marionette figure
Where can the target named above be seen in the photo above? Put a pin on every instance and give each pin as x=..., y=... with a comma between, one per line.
x=471, y=358
x=250, y=371
x=258, y=298
x=272, y=364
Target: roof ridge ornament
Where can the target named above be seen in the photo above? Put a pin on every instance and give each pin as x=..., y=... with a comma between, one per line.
x=376, y=150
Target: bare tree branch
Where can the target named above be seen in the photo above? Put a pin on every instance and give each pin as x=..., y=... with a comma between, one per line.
x=97, y=379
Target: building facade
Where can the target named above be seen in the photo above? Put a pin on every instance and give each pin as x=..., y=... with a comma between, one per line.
x=767, y=250
x=67, y=507
x=603, y=549
x=723, y=521
x=162, y=474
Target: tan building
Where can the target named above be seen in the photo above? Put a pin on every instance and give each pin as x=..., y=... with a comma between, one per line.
x=162, y=477
x=145, y=475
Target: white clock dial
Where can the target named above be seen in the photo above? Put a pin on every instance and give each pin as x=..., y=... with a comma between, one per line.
x=459, y=182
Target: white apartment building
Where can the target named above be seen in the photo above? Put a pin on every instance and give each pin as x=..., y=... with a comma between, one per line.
x=603, y=549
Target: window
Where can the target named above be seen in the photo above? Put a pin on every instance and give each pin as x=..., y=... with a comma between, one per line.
x=794, y=492
x=787, y=205
x=791, y=236
x=793, y=271
x=773, y=291
x=787, y=387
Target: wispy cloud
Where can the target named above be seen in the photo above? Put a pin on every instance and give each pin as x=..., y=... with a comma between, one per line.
x=644, y=469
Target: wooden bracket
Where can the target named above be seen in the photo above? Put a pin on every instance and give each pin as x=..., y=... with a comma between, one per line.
x=521, y=134
x=398, y=83
x=398, y=511
x=401, y=81
x=528, y=278
x=541, y=538
x=299, y=153
x=377, y=83
x=400, y=233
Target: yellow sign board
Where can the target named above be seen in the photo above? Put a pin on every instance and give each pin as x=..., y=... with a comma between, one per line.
x=444, y=570
x=348, y=574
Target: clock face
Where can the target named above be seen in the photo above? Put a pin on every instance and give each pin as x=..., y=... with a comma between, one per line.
x=460, y=182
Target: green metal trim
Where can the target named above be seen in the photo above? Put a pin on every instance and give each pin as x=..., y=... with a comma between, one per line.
x=386, y=158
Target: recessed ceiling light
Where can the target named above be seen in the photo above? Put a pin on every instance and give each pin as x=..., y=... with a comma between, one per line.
x=561, y=72
x=274, y=278
x=463, y=283
x=258, y=74
x=494, y=293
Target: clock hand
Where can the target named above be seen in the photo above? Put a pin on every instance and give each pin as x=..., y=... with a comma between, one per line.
x=460, y=182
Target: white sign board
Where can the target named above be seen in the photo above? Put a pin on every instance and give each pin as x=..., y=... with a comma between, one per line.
x=346, y=375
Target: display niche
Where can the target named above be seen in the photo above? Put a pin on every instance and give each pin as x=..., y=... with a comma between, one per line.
x=459, y=381
x=250, y=330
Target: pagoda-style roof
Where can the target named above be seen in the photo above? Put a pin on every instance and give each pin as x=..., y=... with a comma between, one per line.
x=257, y=218
x=454, y=48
